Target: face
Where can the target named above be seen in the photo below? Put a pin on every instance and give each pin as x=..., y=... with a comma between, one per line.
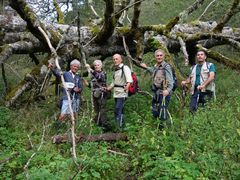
x=159, y=57
x=117, y=59
x=97, y=67
x=74, y=68
x=201, y=56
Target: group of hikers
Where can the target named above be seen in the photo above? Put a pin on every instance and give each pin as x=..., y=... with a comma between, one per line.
x=163, y=78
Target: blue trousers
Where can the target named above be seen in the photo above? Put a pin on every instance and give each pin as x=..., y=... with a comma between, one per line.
x=159, y=108
x=119, y=105
x=199, y=97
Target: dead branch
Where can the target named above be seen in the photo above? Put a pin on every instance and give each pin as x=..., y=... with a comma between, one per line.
x=68, y=95
x=18, y=92
x=213, y=1
x=183, y=15
x=32, y=156
x=93, y=10
x=184, y=50
x=108, y=137
x=13, y=70
x=227, y=16
x=119, y=153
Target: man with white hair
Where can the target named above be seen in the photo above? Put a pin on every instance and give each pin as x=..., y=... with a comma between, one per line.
x=74, y=87
x=122, y=79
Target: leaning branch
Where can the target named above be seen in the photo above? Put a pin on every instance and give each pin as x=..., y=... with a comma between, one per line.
x=184, y=50
x=206, y=9
x=235, y=8
x=32, y=21
x=68, y=95
x=183, y=15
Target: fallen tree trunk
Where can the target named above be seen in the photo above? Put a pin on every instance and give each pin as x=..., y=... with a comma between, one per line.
x=108, y=137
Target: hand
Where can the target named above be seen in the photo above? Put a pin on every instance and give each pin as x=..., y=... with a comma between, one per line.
x=143, y=65
x=126, y=87
x=50, y=65
x=165, y=92
x=201, y=87
x=87, y=66
x=183, y=83
x=109, y=88
x=76, y=89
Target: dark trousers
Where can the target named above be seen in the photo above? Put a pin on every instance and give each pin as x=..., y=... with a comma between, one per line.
x=100, y=111
x=199, y=98
x=119, y=105
x=159, y=107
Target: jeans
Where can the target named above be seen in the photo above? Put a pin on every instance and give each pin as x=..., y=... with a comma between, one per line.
x=119, y=105
x=199, y=97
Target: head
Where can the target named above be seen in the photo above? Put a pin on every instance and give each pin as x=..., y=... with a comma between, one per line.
x=74, y=66
x=97, y=65
x=201, y=56
x=159, y=55
x=117, y=59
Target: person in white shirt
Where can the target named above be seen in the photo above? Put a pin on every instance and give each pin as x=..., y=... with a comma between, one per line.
x=121, y=81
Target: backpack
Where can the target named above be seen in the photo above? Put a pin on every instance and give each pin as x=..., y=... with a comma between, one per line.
x=159, y=75
x=133, y=88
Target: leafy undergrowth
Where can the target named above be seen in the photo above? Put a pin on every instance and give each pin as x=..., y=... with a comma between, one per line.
x=204, y=146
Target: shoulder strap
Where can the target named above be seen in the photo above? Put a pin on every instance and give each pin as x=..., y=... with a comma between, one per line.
x=123, y=73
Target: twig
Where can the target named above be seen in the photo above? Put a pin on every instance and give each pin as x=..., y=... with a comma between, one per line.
x=92, y=8
x=127, y=7
x=119, y=153
x=38, y=149
x=206, y=9
x=14, y=71
x=30, y=141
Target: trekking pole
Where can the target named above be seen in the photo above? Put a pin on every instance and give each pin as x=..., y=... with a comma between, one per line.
x=99, y=113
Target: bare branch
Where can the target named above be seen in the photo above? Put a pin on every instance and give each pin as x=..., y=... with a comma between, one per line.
x=184, y=50
x=119, y=153
x=183, y=15
x=213, y=1
x=32, y=156
x=235, y=8
x=68, y=95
